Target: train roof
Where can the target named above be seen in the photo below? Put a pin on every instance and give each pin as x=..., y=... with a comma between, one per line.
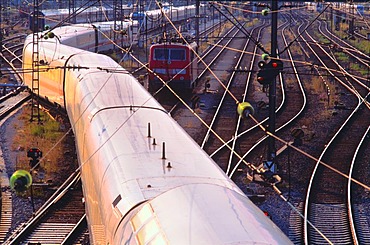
x=72, y=29
x=174, y=45
x=52, y=12
x=166, y=9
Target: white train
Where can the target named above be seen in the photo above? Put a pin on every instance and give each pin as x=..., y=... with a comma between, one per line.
x=92, y=14
x=154, y=18
x=145, y=180
x=146, y=20
x=95, y=37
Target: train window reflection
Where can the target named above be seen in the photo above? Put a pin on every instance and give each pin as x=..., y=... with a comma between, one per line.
x=161, y=54
x=169, y=54
x=177, y=54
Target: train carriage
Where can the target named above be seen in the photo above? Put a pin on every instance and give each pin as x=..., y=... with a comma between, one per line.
x=157, y=17
x=136, y=192
x=175, y=64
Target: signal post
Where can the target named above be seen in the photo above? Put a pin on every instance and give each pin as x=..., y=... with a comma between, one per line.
x=272, y=90
x=267, y=78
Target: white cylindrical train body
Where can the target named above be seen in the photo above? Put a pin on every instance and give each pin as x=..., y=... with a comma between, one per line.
x=145, y=180
x=92, y=14
x=96, y=37
x=157, y=17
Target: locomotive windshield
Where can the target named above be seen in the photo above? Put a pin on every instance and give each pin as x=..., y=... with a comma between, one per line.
x=161, y=54
x=177, y=54
x=169, y=54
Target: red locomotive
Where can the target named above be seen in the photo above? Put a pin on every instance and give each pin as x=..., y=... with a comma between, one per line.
x=175, y=64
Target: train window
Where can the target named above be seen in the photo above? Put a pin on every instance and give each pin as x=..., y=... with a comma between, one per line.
x=178, y=71
x=160, y=71
x=177, y=54
x=161, y=54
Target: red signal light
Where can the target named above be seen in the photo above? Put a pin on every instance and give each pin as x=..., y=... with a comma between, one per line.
x=34, y=153
x=275, y=64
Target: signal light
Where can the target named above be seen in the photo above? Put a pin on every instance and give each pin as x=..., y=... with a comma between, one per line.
x=34, y=153
x=277, y=64
x=263, y=77
x=260, y=78
x=261, y=64
x=268, y=71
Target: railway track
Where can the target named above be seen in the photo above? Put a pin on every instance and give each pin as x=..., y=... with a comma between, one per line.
x=356, y=196
x=12, y=101
x=225, y=120
x=8, y=104
x=50, y=226
x=61, y=220
x=288, y=109
x=340, y=45
x=12, y=55
x=251, y=137
x=56, y=220
x=326, y=205
x=293, y=98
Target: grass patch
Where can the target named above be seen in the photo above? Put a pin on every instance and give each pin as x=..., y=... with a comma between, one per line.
x=46, y=136
x=341, y=56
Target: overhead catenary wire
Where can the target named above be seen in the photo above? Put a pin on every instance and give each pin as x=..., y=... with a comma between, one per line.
x=303, y=64
x=182, y=101
x=193, y=112
x=198, y=56
x=300, y=34
x=301, y=214
x=260, y=125
x=78, y=11
x=188, y=108
x=242, y=28
x=307, y=154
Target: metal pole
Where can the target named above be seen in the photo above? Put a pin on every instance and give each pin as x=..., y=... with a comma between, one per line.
x=1, y=35
x=197, y=6
x=331, y=18
x=272, y=91
x=351, y=20
x=368, y=68
x=32, y=200
x=115, y=23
